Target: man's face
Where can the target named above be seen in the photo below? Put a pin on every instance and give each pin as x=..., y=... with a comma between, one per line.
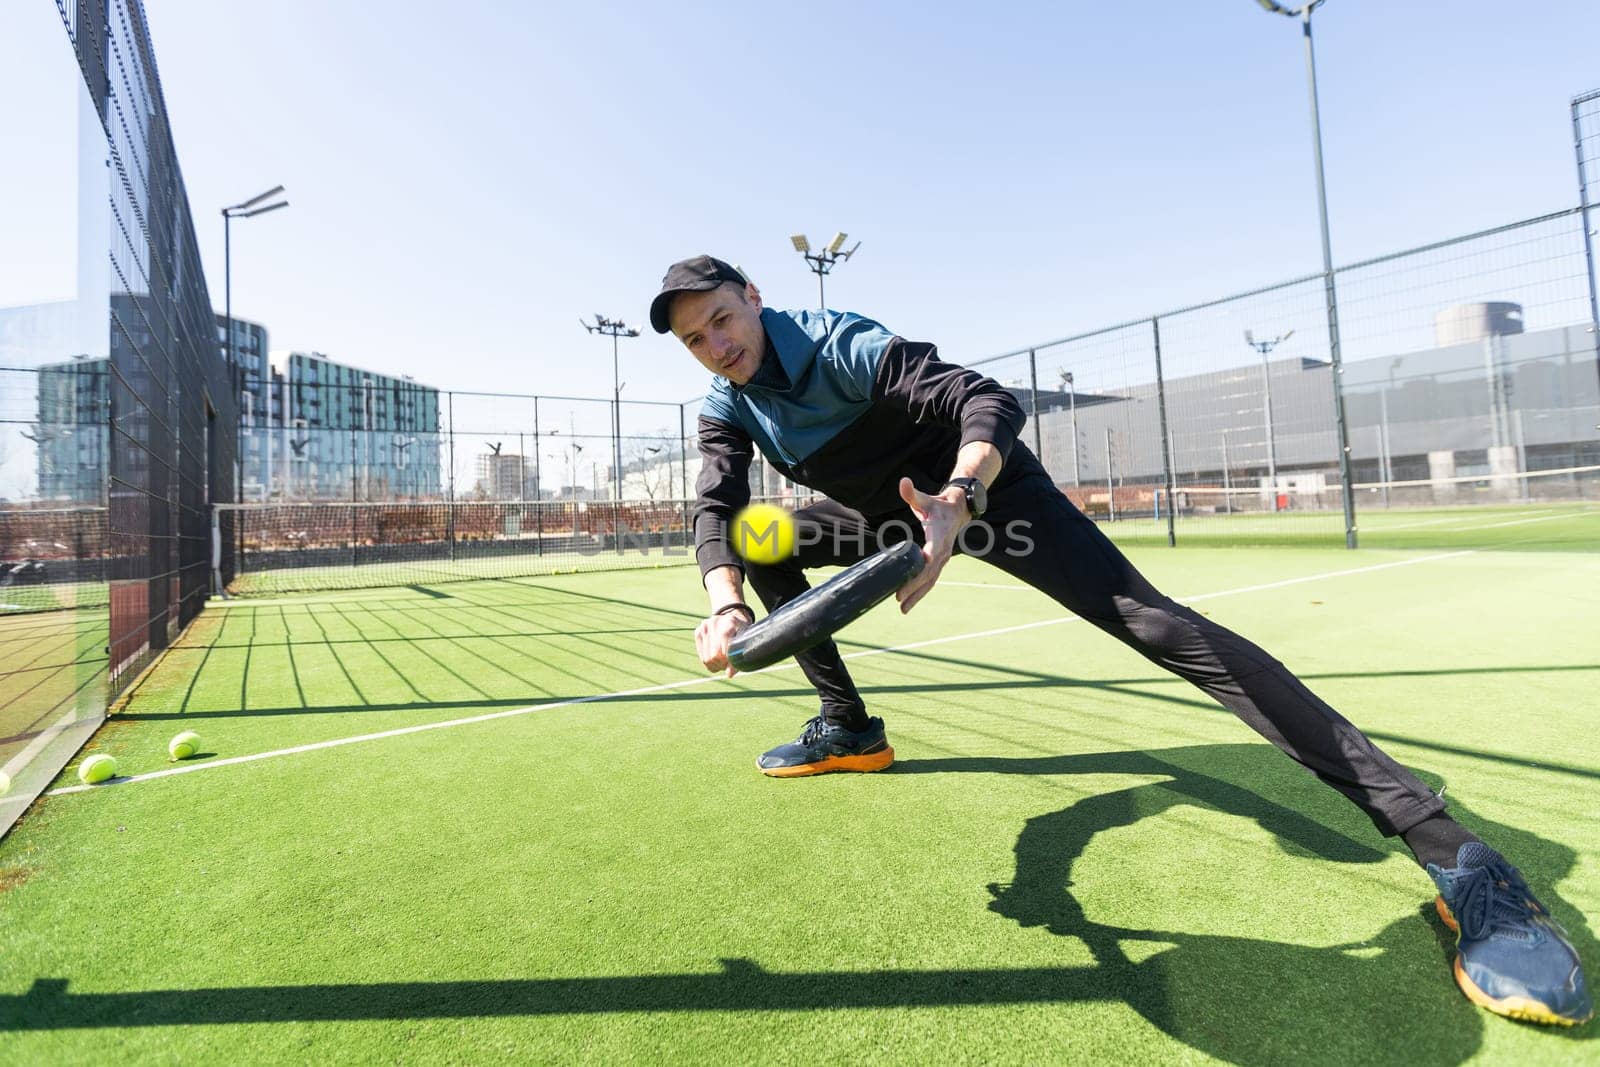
x=722, y=329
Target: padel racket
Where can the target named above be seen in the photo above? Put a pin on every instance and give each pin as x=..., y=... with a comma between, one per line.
x=817, y=614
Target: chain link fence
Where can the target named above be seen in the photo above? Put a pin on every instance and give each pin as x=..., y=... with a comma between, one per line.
x=1467, y=375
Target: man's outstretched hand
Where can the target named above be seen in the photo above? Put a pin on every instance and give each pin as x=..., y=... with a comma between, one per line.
x=942, y=518
x=712, y=637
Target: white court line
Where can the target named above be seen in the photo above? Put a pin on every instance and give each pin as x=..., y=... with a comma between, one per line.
x=684, y=683
x=1414, y=525
x=1459, y=518
x=1519, y=522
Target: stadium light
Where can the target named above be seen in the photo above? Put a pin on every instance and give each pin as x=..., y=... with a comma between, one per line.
x=245, y=210
x=1072, y=406
x=822, y=262
x=1265, y=348
x=1303, y=13
x=254, y=200
x=614, y=328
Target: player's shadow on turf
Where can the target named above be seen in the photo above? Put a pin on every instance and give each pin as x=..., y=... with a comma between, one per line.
x=1254, y=1000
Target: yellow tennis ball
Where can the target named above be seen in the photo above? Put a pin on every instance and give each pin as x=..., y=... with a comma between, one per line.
x=184, y=745
x=97, y=769
x=764, y=533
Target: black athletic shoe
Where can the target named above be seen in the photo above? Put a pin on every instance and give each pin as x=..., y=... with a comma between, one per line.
x=823, y=746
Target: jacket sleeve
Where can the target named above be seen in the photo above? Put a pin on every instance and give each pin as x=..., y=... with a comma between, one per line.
x=722, y=489
x=910, y=376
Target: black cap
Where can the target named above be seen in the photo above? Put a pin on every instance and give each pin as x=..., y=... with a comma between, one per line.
x=698, y=275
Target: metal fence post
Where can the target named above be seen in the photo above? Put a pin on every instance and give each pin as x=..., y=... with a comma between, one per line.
x=450, y=502
x=1033, y=393
x=538, y=485
x=1166, y=438
x=1111, y=487
x=1583, y=222
x=683, y=456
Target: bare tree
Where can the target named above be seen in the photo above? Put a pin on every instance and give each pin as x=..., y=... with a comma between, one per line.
x=651, y=459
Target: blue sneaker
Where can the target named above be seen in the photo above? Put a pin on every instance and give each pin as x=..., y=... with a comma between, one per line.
x=1511, y=956
x=823, y=746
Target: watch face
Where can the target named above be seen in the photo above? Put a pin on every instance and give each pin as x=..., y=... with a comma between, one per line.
x=977, y=498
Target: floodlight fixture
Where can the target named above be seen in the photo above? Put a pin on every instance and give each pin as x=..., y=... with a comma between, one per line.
x=260, y=210
x=1276, y=8
x=254, y=200
x=822, y=262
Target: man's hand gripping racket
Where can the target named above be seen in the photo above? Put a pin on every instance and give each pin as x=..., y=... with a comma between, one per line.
x=810, y=618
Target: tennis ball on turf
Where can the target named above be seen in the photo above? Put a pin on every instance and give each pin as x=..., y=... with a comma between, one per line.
x=97, y=769
x=184, y=745
x=764, y=533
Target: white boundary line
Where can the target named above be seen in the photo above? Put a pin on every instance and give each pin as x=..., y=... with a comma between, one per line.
x=684, y=683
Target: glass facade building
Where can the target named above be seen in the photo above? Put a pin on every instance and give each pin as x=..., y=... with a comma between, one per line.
x=311, y=428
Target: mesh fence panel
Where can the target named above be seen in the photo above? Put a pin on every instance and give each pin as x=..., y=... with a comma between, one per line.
x=117, y=413
x=1248, y=387
x=1468, y=375
x=1475, y=356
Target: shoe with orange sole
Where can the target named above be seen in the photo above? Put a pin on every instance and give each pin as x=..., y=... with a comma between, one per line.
x=824, y=747
x=1511, y=956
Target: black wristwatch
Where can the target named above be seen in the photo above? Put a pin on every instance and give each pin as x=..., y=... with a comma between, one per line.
x=977, y=496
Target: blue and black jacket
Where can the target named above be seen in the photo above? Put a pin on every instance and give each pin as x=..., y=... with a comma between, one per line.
x=847, y=408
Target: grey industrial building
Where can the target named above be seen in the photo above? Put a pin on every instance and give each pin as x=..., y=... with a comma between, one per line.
x=1490, y=400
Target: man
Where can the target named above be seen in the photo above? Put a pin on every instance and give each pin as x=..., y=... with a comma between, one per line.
x=902, y=445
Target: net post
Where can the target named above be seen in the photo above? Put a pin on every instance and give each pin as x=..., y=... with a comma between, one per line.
x=216, y=552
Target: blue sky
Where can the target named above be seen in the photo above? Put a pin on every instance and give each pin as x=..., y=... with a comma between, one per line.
x=467, y=180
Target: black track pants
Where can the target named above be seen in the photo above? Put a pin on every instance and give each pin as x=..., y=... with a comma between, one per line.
x=1071, y=561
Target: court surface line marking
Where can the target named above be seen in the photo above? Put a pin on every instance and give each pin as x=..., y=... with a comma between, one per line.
x=702, y=680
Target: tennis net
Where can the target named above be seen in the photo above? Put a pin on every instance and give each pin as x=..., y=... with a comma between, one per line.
x=299, y=547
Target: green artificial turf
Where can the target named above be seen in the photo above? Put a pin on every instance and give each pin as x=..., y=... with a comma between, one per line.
x=1075, y=858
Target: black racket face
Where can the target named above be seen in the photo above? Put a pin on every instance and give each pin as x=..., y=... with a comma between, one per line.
x=819, y=613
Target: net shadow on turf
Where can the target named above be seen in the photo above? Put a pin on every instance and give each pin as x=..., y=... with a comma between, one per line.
x=517, y=654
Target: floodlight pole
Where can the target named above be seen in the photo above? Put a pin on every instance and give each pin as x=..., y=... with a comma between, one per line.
x=614, y=328
x=244, y=210
x=1303, y=13
x=1265, y=348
